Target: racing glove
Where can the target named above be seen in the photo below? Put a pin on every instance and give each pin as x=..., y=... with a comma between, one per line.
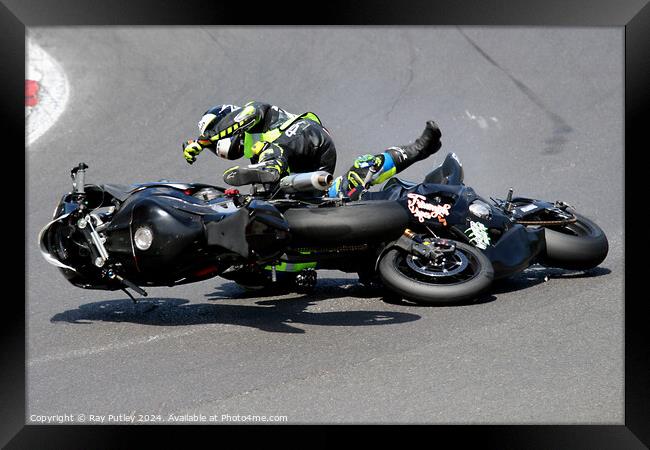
x=191, y=149
x=363, y=171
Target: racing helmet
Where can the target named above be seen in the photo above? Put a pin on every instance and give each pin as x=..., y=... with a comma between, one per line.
x=213, y=116
x=227, y=148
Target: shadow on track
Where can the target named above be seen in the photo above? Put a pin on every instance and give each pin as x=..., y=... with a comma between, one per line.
x=327, y=288
x=537, y=274
x=279, y=314
x=337, y=288
x=274, y=315
x=528, y=278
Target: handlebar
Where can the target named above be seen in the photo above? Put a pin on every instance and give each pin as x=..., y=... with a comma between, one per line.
x=77, y=174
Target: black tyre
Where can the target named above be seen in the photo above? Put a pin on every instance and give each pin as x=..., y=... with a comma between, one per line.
x=578, y=246
x=469, y=273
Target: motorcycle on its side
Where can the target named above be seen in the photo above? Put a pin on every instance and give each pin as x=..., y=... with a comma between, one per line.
x=435, y=242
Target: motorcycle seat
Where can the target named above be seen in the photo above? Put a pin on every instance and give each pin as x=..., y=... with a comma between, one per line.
x=353, y=223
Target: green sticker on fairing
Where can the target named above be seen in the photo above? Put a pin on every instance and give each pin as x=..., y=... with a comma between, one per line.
x=478, y=235
x=292, y=267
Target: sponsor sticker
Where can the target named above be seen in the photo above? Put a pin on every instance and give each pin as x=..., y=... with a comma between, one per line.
x=422, y=209
x=478, y=235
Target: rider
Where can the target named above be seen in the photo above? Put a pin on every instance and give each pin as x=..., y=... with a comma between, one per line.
x=275, y=141
x=278, y=142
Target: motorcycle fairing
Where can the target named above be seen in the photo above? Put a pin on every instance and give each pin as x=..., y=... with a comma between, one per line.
x=74, y=266
x=177, y=236
x=449, y=172
x=515, y=250
x=48, y=241
x=229, y=233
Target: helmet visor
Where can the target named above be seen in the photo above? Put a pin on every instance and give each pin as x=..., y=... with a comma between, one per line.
x=205, y=122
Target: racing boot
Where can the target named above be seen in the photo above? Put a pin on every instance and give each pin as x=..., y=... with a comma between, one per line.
x=424, y=146
x=241, y=176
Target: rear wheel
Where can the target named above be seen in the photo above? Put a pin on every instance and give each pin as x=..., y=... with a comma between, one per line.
x=456, y=277
x=579, y=245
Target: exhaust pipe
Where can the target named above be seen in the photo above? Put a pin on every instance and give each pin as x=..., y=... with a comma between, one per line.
x=301, y=182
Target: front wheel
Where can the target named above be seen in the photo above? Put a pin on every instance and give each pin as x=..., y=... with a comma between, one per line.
x=456, y=277
x=580, y=245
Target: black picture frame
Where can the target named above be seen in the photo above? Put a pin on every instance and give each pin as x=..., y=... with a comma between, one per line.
x=634, y=15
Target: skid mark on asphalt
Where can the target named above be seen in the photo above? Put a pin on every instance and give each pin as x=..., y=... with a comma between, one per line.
x=556, y=142
x=409, y=78
x=224, y=50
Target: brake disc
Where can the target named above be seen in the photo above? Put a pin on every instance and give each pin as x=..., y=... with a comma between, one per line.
x=443, y=267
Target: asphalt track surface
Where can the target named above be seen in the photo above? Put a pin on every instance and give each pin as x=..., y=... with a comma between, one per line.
x=539, y=109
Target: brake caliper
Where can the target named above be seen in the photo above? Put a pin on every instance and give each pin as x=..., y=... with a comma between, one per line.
x=432, y=249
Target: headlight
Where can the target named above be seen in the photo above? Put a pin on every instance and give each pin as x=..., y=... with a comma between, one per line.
x=480, y=209
x=143, y=237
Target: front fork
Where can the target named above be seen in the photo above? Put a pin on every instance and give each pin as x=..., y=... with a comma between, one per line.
x=95, y=243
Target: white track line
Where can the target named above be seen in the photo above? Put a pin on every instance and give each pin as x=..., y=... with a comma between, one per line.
x=53, y=93
x=77, y=353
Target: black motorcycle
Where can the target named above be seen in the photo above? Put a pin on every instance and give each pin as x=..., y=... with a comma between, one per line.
x=432, y=242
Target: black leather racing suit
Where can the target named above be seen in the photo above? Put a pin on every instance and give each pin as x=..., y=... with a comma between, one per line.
x=279, y=141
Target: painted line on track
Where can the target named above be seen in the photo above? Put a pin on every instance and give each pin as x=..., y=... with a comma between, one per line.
x=46, y=92
x=121, y=345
